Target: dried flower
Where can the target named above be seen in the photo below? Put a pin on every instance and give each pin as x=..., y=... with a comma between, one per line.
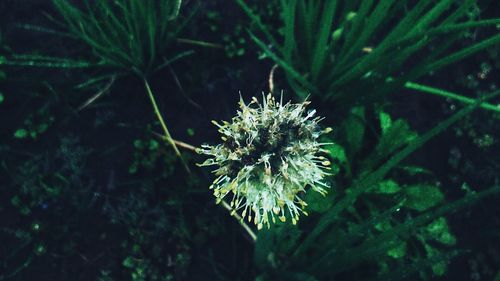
x=269, y=155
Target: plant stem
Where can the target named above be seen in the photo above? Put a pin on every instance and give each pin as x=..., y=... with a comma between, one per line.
x=453, y=96
x=185, y=145
x=241, y=221
x=168, y=137
x=224, y=204
x=200, y=43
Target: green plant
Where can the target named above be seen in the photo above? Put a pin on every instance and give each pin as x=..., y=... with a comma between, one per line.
x=130, y=35
x=353, y=52
x=125, y=36
x=375, y=220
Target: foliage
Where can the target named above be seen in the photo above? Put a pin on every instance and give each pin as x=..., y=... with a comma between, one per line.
x=129, y=34
x=90, y=191
x=345, y=51
x=396, y=228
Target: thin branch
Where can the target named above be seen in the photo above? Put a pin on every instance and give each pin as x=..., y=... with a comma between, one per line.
x=96, y=96
x=440, y=92
x=168, y=137
x=240, y=220
x=179, y=85
x=179, y=143
x=199, y=43
x=185, y=145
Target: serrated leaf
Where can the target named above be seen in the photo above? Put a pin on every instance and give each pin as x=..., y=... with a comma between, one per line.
x=394, y=137
x=422, y=197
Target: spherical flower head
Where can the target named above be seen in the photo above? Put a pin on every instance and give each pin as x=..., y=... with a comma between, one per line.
x=269, y=157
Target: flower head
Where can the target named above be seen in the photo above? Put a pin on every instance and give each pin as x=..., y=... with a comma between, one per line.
x=269, y=155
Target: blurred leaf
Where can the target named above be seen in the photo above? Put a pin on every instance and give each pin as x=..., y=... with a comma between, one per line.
x=422, y=197
x=317, y=202
x=394, y=137
x=439, y=267
x=385, y=121
x=399, y=251
x=353, y=129
x=384, y=225
x=497, y=277
x=336, y=152
x=272, y=243
x=387, y=187
x=128, y=262
x=20, y=134
x=438, y=230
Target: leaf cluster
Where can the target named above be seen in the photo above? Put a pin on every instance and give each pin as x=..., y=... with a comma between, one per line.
x=354, y=52
x=390, y=229
x=129, y=34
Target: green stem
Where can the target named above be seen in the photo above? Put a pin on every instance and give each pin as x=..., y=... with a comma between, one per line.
x=200, y=43
x=168, y=137
x=241, y=221
x=453, y=96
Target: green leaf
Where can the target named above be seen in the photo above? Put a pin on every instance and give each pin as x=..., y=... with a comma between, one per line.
x=16, y=201
x=21, y=134
x=317, y=202
x=1, y=98
x=153, y=145
x=354, y=130
x=395, y=136
x=281, y=238
x=385, y=121
x=336, y=152
x=422, y=197
x=399, y=251
x=439, y=267
x=138, y=144
x=387, y=187
x=438, y=230
x=128, y=262
x=376, y=176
